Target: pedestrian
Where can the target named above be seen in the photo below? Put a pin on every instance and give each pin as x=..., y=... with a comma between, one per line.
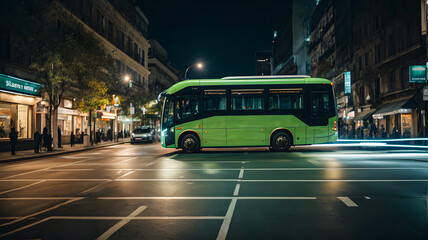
x=37, y=141
x=59, y=137
x=47, y=139
x=72, y=139
x=13, y=136
x=383, y=132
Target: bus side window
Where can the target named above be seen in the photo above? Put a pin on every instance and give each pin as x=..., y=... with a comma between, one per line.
x=286, y=99
x=248, y=99
x=187, y=106
x=321, y=105
x=215, y=99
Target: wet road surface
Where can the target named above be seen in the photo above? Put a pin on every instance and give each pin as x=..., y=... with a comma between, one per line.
x=147, y=192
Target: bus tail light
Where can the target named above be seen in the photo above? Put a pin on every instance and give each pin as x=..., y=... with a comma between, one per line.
x=334, y=126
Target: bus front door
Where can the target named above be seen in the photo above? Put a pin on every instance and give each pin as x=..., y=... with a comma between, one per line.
x=318, y=129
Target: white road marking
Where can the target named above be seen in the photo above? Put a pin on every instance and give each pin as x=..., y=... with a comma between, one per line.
x=366, y=197
x=73, y=157
x=236, y=192
x=134, y=218
x=72, y=170
x=43, y=169
x=241, y=173
x=128, y=159
x=40, y=212
x=58, y=180
x=206, y=198
x=208, y=180
x=253, y=169
x=126, y=174
x=148, y=164
x=120, y=224
x=94, y=187
x=340, y=180
x=314, y=162
x=25, y=227
x=40, y=198
x=19, y=188
x=226, y=222
x=176, y=180
x=347, y=201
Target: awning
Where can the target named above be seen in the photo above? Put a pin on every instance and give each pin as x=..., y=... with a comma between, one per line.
x=364, y=114
x=392, y=108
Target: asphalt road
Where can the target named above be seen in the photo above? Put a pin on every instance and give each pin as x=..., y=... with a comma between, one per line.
x=147, y=192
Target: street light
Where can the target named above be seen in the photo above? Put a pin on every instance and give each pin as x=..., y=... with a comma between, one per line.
x=198, y=65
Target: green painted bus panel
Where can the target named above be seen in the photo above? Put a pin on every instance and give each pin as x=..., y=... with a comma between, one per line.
x=254, y=130
x=214, y=137
x=189, y=126
x=320, y=134
x=245, y=137
x=214, y=122
x=226, y=82
x=214, y=131
x=246, y=121
x=246, y=130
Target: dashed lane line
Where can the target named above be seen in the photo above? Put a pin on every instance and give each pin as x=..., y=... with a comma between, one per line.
x=236, y=192
x=40, y=212
x=23, y=187
x=120, y=224
x=347, y=201
x=25, y=227
x=206, y=198
x=226, y=222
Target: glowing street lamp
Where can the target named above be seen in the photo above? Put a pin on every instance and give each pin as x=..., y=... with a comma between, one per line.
x=198, y=65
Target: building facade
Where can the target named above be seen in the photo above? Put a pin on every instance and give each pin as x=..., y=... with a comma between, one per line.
x=162, y=74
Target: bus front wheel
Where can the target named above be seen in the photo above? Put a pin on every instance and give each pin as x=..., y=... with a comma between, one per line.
x=190, y=143
x=281, y=142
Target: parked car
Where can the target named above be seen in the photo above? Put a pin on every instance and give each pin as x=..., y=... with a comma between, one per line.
x=142, y=134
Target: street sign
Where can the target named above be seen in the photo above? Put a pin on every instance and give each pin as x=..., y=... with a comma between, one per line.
x=425, y=93
x=347, y=82
x=417, y=74
x=132, y=110
x=19, y=85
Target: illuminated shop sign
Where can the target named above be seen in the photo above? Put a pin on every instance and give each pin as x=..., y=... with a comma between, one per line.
x=347, y=82
x=417, y=74
x=19, y=85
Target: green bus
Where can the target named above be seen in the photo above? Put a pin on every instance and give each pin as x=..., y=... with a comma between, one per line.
x=271, y=111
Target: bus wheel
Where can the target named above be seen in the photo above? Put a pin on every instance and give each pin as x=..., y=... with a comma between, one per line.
x=281, y=142
x=190, y=143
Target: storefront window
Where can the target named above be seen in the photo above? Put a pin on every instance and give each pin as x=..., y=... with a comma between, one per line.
x=17, y=116
x=65, y=123
x=406, y=121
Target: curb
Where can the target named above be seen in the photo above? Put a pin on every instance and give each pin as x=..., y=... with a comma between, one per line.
x=59, y=153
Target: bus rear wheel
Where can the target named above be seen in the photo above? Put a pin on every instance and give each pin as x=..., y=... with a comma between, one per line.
x=281, y=142
x=190, y=143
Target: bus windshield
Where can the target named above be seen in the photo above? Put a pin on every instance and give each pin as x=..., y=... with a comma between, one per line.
x=168, y=114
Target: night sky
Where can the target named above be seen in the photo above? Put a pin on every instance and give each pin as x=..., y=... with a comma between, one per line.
x=224, y=35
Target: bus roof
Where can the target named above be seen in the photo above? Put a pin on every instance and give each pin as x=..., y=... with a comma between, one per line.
x=253, y=80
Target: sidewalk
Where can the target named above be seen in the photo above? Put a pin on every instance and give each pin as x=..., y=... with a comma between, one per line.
x=29, y=154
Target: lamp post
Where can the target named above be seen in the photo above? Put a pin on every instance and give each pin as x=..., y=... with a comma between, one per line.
x=198, y=65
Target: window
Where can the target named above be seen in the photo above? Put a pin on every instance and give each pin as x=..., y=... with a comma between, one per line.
x=215, y=99
x=403, y=77
x=322, y=107
x=248, y=99
x=391, y=81
x=286, y=99
x=360, y=63
x=366, y=59
x=168, y=116
x=186, y=106
x=391, y=43
x=377, y=54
